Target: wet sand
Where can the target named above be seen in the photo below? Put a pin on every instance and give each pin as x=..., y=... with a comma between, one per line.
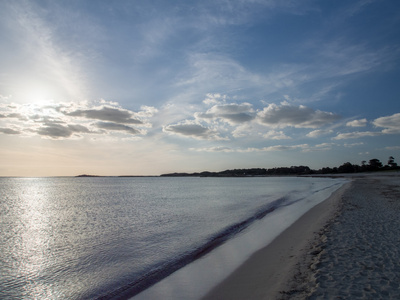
x=347, y=247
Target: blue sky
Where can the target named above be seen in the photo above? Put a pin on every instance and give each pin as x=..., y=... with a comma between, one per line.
x=149, y=87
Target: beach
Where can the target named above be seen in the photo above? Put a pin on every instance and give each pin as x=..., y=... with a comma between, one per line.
x=346, y=247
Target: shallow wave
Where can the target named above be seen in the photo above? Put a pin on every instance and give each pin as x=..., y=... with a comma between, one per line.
x=161, y=271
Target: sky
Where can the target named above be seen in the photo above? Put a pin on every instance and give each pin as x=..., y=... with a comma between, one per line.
x=150, y=87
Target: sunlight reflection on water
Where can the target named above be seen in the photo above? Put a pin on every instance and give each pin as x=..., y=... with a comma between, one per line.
x=32, y=227
x=82, y=238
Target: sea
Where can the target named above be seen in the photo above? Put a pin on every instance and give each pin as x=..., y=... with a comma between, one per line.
x=140, y=237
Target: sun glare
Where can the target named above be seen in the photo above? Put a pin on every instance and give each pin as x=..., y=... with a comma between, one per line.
x=39, y=96
x=37, y=93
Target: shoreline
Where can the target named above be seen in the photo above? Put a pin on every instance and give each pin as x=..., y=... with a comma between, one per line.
x=200, y=276
x=266, y=273
x=310, y=258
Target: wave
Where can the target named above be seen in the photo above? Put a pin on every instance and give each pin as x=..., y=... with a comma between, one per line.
x=161, y=271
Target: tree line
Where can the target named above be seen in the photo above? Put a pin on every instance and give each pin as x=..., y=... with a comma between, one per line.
x=372, y=166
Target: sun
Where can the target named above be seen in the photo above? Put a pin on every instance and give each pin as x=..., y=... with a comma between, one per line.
x=36, y=92
x=39, y=95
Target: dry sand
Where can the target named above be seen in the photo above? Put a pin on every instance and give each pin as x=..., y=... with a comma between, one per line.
x=347, y=247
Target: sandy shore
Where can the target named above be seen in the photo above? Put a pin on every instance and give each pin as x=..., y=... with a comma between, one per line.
x=347, y=247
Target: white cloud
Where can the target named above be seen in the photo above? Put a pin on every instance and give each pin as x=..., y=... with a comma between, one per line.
x=363, y=153
x=213, y=149
x=286, y=115
x=276, y=135
x=193, y=130
x=390, y=123
x=72, y=120
x=318, y=133
x=356, y=135
x=106, y=113
x=56, y=130
x=5, y=98
x=147, y=111
x=319, y=147
x=357, y=123
x=353, y=145
x=241, y=120
x=230, y=113
x=117, y=127
x=9, y=131
x=303, y=147
x=212, y=99
x=275, y=148
x=243, y=130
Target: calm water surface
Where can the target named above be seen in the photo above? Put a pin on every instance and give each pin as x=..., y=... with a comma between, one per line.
x=87, y=238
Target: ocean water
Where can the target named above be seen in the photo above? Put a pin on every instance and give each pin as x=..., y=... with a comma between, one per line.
x=112, y=238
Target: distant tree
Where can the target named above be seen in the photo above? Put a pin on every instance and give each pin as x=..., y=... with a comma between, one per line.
x=346, y=168
x=374, y=164
x=326, y=170
x=391, y=162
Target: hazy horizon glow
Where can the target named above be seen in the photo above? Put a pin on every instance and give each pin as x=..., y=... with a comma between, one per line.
x=132, y=88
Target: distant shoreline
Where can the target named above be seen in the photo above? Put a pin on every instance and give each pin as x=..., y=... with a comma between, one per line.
x=276, y=172
x=90, y=176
